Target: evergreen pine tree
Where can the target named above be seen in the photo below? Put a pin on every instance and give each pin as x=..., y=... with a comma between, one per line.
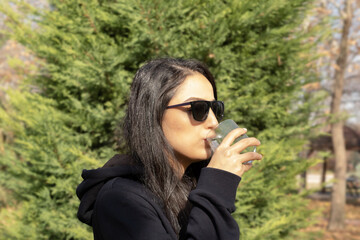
x=91, y=50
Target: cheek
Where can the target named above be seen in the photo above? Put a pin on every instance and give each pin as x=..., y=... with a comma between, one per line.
x=175, y=129
x=184, y=137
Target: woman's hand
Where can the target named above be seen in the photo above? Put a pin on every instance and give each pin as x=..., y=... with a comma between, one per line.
x=229, y=158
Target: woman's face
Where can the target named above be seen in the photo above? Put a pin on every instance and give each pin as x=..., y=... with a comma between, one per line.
x=186, y=135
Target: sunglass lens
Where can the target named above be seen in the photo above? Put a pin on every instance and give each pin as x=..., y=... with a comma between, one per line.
x=200, y=110
x=218, y=109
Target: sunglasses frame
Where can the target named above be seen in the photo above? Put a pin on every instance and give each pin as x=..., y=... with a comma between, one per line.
x=209, y=104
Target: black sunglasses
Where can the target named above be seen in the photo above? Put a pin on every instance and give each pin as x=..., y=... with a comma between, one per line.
x=200, y=109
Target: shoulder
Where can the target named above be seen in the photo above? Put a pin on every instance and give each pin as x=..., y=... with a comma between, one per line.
x=123, y=191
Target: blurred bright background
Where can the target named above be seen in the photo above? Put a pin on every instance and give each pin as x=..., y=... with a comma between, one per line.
x=65, y=71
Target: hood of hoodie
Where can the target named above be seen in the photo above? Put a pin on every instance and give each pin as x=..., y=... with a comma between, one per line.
x=94, y=180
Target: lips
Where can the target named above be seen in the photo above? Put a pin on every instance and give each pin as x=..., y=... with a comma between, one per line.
x=210, y=134
x=207, y=143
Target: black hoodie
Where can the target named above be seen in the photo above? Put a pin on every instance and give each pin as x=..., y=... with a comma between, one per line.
x=118, y=206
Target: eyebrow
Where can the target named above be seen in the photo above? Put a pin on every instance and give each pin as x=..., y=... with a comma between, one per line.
x=197, y=99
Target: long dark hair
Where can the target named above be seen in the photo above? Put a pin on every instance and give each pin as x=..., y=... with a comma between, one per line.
x=153, y=87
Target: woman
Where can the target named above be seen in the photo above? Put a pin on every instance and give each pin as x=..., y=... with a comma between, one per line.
x=169, y=185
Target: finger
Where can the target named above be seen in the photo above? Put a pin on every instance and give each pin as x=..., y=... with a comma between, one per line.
x=245, y=168
x=250, y=156
x=244, y=143
x=231, y=136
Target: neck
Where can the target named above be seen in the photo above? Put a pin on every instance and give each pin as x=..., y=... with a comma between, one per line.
x=184, y=163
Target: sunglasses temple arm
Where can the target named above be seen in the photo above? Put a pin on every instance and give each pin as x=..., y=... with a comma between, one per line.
x=178, y=105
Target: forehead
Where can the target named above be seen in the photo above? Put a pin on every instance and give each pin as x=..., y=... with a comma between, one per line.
x=195, y=86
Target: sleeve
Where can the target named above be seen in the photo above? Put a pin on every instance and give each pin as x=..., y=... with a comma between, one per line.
x=213, y=202
x=126, y=215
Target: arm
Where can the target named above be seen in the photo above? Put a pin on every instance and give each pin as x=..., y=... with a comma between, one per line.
x=213, y=202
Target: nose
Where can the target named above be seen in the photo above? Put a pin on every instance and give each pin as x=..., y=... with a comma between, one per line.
x=211, y=121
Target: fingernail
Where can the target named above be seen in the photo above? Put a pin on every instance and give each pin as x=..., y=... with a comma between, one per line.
x=245, y=129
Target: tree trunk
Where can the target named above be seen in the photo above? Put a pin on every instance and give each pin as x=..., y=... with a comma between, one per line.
x=323, y=175
x=338, y=198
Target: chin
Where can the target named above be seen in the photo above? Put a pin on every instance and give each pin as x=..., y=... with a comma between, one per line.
x=209, y=152
x=204, y=156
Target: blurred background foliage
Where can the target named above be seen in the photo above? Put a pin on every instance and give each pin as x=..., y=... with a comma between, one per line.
x=64, y=116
